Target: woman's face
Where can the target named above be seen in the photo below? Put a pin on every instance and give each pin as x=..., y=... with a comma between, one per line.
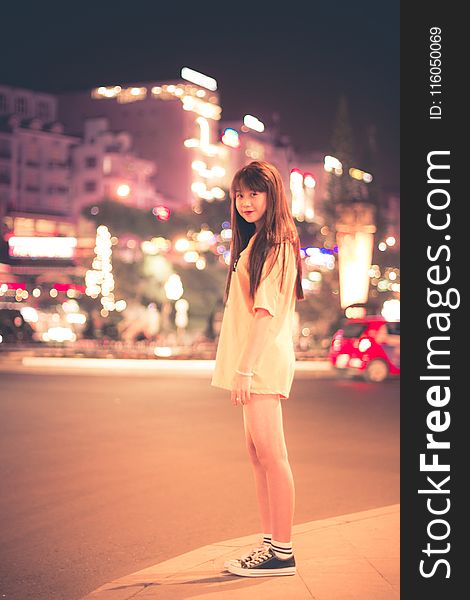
x=251, y=205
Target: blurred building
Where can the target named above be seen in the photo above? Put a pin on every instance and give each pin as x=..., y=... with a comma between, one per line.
x=172, y=124
x=47, y=176
x=105, y=167
x=38, y=235
x=177, y=125
x=27, y=103
x=35, y=169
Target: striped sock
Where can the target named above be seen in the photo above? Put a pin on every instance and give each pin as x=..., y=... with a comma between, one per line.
x=282, y=550
x=267, y=539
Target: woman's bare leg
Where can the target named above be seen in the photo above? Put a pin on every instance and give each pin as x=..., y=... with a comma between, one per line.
x=261, y=482
x=263, y=420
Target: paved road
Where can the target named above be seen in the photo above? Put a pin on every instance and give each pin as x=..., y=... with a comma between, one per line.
x=104, y=475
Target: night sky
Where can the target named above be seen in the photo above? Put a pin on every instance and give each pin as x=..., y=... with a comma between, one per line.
x=296, y=60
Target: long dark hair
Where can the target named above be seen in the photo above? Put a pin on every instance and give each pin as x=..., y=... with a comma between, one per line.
x=278, y=225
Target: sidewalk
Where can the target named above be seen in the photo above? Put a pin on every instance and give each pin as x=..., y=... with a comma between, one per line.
x=350, y=557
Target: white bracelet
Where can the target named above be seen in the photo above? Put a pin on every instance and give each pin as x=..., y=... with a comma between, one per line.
x=242, y=373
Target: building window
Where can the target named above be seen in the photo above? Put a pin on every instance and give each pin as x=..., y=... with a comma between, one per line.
x=107, y=165
x=5, y=200
x=45, y=227
x=3, y=103
x=42, y=110
x=32, y=152
x=24, y=226
x=90, y=186
x=5, y=149
x=90, y=162
x=56, y=152
x=5, y=176
x=65, y=229
x=21, y=105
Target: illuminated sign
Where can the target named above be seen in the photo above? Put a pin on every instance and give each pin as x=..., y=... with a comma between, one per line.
x=199, y=79
x=42, y=247
x=333, y=164
x=319, y=257
x=162, y=213
x=200, y=107
x=354, y=258
x=360, y=175
x=65, y=287
x=106, y=92
x=204, y=139
x=355, y=239
x=12, y=285
x=309, y=180
x=131, y=94
x=123, y=95
x=253, y=123
x=231, y=138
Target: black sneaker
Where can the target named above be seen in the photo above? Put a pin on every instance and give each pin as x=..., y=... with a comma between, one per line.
x=264, y=564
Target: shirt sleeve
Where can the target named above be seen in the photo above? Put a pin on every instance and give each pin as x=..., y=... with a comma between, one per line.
x=268, y=293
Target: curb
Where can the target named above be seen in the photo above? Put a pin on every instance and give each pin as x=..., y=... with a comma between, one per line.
x=122, y=366
x=349, y=556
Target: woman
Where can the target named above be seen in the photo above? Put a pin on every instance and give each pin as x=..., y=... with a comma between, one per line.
x=255, y=355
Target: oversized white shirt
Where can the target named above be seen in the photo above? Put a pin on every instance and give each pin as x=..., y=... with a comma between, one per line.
x=274, y=369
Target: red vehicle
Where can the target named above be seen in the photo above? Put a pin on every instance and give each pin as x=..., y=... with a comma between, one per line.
x=369, y=346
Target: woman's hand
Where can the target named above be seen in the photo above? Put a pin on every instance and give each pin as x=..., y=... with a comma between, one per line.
x=241, y=385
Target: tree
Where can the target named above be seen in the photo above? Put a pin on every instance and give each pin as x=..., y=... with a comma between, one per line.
x=340, y=186
x=370, y=160
x=121, y=219
x=351, y=212
x=142, y=281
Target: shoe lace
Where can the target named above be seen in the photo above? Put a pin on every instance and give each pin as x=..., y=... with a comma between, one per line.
x=253, y=552
x=264, y=554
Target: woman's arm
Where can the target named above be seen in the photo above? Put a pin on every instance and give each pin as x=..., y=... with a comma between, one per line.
x=256, y=340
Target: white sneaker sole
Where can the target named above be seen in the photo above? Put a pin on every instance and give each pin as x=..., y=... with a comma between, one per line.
x=236, y=570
